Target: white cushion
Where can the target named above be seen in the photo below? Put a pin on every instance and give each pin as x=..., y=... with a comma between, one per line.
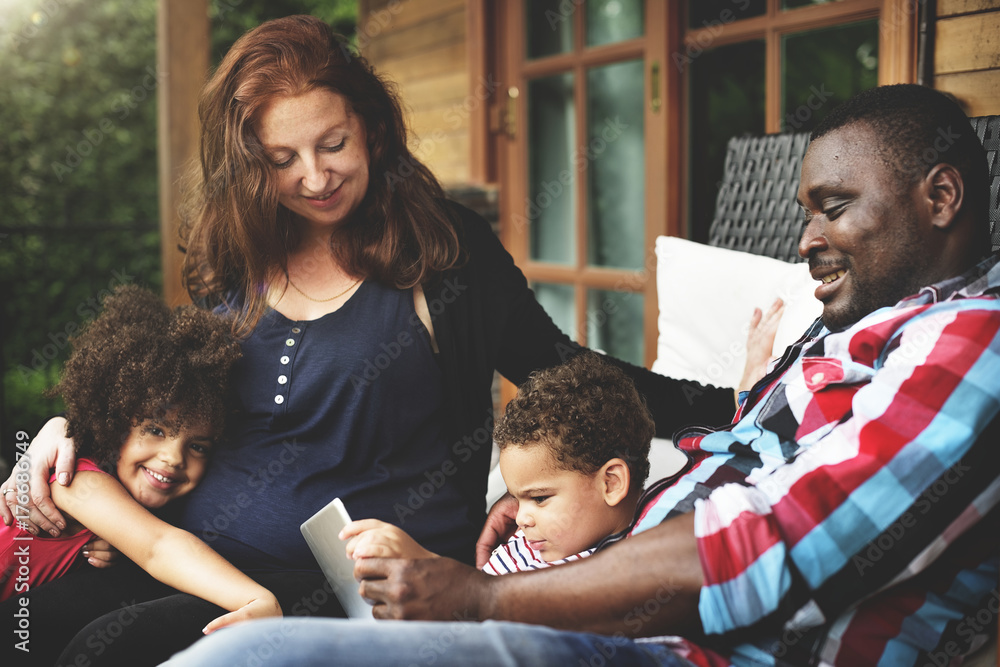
x=706, y=298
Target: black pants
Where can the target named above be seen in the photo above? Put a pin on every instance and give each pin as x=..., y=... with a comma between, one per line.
x=122, y=616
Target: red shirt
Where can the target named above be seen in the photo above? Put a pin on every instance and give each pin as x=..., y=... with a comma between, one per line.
x=27, y=561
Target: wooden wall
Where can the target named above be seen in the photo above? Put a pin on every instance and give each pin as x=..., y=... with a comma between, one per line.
x=421, y=45
x=967, y=53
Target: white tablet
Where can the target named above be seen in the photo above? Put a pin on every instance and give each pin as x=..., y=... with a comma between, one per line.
x=320, y=531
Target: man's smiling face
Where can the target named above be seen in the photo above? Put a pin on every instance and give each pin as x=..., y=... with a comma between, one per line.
x=863, y=227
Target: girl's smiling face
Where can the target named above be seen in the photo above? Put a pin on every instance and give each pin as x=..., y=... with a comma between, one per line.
x=160, y=462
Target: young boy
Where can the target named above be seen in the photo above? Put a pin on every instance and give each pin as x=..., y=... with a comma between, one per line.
x=574, y=448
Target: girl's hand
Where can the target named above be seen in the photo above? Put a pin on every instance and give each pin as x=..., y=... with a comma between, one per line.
x=100, y=553
x=760, y=344
x=501, y=523
x=262, y=607
x=50, y=449
x=371, y=538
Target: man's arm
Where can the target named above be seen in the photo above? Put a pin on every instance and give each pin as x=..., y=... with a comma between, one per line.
x=646, y=585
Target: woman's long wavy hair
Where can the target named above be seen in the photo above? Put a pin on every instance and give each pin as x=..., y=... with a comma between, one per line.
x=235, y=233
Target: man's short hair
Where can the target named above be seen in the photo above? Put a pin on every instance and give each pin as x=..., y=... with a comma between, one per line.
x=586, y=411
x=917, y=128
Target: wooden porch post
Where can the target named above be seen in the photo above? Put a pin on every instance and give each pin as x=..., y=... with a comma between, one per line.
x=182, y=54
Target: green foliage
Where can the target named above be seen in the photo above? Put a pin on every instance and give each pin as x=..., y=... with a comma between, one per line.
x=78, y=171
x=232, y=18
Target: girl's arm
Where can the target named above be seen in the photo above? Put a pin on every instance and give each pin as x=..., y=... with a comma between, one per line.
x=371, y=538
x=173, y=556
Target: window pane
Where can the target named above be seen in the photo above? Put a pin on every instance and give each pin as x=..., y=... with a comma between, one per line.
x=614, y=324
x=715, y=13
x=822, y=68
x=727, y=99
x=549, y=27
x=792, y=4
x=613, y=21
x=551, y=205
x=558, y=302
x=615, y=156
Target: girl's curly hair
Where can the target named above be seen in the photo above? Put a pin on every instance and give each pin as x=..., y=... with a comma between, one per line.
x=141, y=360
x=586, y=411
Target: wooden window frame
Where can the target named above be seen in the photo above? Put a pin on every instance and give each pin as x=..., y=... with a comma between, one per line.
x=512, y=155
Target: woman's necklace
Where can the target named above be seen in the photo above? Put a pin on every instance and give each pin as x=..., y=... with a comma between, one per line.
x=335, y=296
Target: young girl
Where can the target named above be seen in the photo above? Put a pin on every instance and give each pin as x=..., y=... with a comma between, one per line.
x=145, y=395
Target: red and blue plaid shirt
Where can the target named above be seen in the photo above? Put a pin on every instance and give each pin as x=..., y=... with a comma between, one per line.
x=848, y=516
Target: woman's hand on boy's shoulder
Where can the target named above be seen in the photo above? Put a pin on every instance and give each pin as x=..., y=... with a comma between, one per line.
x=35, y=509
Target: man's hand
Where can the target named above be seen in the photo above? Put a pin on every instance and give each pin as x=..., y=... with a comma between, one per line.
x=501, y=523
x=428, y=589
x=50, y=449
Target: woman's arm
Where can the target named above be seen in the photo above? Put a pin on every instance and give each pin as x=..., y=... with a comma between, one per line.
x=32, y=503
x=171, y=555
x=760, y=344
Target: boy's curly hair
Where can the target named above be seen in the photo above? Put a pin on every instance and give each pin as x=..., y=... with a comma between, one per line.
x=141, y=360
x=587, y=411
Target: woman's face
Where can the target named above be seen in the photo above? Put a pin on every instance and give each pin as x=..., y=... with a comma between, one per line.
x=318, y=148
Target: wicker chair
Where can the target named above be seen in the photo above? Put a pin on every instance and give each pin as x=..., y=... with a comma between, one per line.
x=756, y=212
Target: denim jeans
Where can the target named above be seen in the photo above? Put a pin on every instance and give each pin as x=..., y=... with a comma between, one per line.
x=314, y=642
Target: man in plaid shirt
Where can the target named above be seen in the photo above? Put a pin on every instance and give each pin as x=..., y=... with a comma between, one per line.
x=848, y=514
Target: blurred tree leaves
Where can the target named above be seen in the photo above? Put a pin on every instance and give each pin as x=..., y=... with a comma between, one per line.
x=78, y=170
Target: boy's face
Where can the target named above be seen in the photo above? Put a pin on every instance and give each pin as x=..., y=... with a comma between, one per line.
x=158, y=462
x=562, y=512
